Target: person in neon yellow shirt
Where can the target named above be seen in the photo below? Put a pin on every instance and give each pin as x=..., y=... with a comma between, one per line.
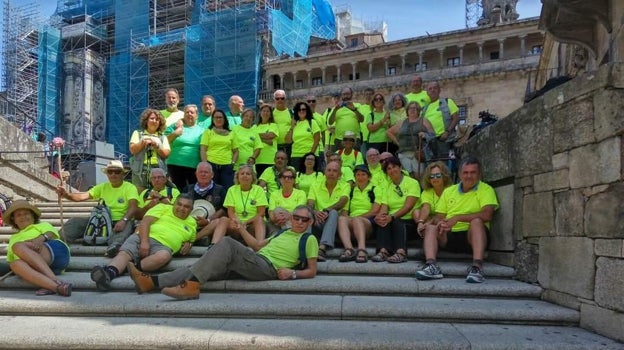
x=219, y=147
x=36, y=253
x=377, y=122
x=164, y=231
x=346, y=116
x=350, y=156
x=171, y=112
x=246, y=203
x=269, y=179
x=158, y=193
x=282, y=203
x=267, y=130
x=304, y=136
x=149, y=147
x=464, y=213
x=365, y=108
x=364, y=204
x=374, y=166
x=309, y=173
x=434, y=115
x=283, y=117
x=417, y=94
x=328, y=198
x=247, y=139
x=401, y=194
x=345, y=171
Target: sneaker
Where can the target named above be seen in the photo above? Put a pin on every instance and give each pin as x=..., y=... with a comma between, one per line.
x=101, y=278
x=429, y=272
x=475, y=275
x=112, y=250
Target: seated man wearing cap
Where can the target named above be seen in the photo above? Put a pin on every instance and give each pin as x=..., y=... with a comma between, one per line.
x=349, y=155
x=158, y=193
x=165, y=230
x=272, y=258
x=120, y=196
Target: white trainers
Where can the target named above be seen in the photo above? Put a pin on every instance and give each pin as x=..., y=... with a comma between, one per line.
x=475, y=275
x=429, y=272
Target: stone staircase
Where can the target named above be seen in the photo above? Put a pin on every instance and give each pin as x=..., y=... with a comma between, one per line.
x=348, y=305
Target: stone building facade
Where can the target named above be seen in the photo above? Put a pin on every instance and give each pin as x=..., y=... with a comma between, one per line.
x=484, y=68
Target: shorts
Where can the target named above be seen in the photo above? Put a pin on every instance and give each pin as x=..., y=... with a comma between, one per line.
x=410, y=163
x=59, y=252
x=131, y=246
x=457, y=242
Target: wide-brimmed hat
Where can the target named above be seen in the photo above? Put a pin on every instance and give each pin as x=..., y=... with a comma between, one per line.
x=20, y=204
x=349, y=135
x=202, y=208
x=363, y=168
x=114, y=164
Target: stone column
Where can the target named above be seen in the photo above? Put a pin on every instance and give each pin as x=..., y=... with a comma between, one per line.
x=370, y=69
x=323, y=76
x=353, y=70
x=522, y=46
x=480, y=45
x=461, y=54
x=501, y=47
x=385, y=66
x=309, y=78
x=281, y=81
x=403, y=63
x=441, y=52
x=420, y=61
x=338, y=79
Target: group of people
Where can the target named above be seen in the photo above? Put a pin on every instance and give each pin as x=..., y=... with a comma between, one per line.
x=318, y=177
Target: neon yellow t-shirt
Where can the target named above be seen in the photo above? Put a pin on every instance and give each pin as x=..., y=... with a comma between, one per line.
x=283, y=250
x=247, y=140
x=436, y=118
x=360, y=203
x=347, y=174
x=352, y=159
x=346, y=120
x=169, y=229
x=323, y=199
x=378, y=177
x=26, y=234
x=453, y=202
x=378, y=135
x=422, y=98
x=296, y=198
x=397, y=115
x=143, y=200
x=219, y=147
x=158, y=137
x=395, y=197
x=245, y=203
x=430, y=197
x=305, y=181
x=269, y=175
x=320, y=120
x=283, y=121
x=365, y=109
x=303, y=137
x=267, y=153
x=117, y=199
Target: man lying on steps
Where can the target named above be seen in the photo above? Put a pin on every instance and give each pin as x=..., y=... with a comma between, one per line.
x=273, y=258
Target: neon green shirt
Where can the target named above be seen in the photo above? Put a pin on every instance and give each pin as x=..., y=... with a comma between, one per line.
x=219, y=147
x=397, y=115
x=245, y=203
x=283, y=250
x=303, y=137
x=454, y=202
x=360, y=203
x=269, y=175
x=320, y=120
x=422, y=98
x=267, y=153
x=170, y=230
x=117, y=199
x=352, y=159
x=143, y=201
x=430, y=197
x=323, y=199
x=346, y=120
x=305, y=181
x=296, y=198
x=26, y=234
x=378, y=135
x=434, y=115
x=365, y=109
x=247, y=140
x=395, y=197
x=347, y=174
x=283, y=121
x=378, y=177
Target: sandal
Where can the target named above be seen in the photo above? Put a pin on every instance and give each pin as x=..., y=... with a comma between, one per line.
x=322, y=255
x=43, y=291
x=347, y=255
x=397, y=258
x=382, y=255
x=361, y=258
x=64, y=288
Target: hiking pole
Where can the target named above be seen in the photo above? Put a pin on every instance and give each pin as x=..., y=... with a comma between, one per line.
x=58, y=144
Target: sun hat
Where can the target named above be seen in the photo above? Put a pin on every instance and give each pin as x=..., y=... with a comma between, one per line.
x=20, y=204
x=349, y=135
x=202, y=208
x=114, y=164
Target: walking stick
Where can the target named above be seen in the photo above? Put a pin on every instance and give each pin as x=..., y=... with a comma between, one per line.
x=58, y=144
x=6, y=275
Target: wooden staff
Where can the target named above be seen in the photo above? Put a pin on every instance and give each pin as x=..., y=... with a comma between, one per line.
x=58, y=144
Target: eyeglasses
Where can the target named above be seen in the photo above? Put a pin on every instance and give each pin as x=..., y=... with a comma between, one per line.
x=398, y=190
x=280, y=98
x=435, y=176
x=300, y=218
x=311, y=101
x=287, y=177
x=116, y=172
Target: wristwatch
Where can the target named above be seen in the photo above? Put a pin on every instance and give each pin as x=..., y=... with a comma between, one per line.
x=294, y=275
x=125, y=219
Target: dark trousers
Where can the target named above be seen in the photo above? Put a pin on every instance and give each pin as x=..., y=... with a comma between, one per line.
x=394, y=235
x=181, y=175
x=223, y=174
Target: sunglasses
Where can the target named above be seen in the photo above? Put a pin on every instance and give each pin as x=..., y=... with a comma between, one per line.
x=398, y=190
x=302, y=110
x=287, y=177
x=378, y=99
x=311, y=101
x=116, y=172
x=280, y=98
x=300, y=218
x=435, y=176
x=352, y=140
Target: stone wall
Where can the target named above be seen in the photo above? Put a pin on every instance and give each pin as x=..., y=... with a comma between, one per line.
x=564, y=155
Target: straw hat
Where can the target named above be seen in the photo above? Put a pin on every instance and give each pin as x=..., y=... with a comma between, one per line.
x=349, y=135
x=20, y=204
x=114, y=164
x=202, y=208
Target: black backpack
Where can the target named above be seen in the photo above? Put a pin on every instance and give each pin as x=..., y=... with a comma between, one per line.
x=99, y=227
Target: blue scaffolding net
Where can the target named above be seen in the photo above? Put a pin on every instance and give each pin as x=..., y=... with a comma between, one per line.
x=49, y=69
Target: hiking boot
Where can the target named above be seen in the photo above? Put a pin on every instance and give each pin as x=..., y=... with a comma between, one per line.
x=187, y=290
x=475, y=275
x=112, y=250
x=102, y=279
x=142, y=282
x=429, y=272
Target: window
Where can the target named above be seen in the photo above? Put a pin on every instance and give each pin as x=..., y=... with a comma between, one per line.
x=536, y=50
x=462, y=114
x=392, y=71
x=299, y=84
x=317, y=81
x=354, y=42
x=452, y=62
x=276, y=82
x=494, y=55
x=357, y=76
x=417, y=66
x=334, y=78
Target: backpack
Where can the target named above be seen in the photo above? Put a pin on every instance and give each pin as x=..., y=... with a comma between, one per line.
x=303, y=260
x=99, y=227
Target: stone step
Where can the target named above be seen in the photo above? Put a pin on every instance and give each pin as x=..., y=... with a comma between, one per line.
x=136, y=332
x=281, y=306
x=332, y=284
x=66, y=204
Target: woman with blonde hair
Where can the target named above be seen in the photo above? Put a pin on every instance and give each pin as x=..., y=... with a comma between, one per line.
x=246, y=202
